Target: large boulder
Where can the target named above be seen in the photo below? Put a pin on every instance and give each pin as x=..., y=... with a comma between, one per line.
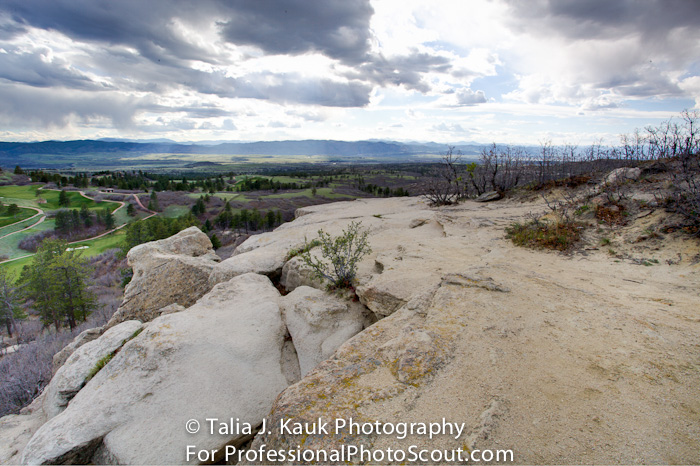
x=172, y=270
x=221, y=358
x=73, y=375
x=319, y=323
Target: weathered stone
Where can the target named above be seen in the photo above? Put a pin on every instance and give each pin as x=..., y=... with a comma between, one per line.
x=295, y=274
x=72, y=376
x=620, y=175
x=221, y=358
x=319, y=323
x=265, y=261
x=15, y=431
x=84, y=337
x=170, y=309
x=172, y=270
x=489, y=196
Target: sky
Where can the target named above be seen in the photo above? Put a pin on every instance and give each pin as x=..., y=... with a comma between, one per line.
x=519, y=72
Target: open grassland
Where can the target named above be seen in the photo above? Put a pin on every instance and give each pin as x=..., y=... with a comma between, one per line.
x=6, y=220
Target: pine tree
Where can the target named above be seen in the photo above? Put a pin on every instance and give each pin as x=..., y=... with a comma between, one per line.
x=153, y=203
x=13, y=209
x=57, y=284
x=86, y=216
x=215, y=241
x=130, y=210
x=63, y=199
x=10, y=310
x=108, y=218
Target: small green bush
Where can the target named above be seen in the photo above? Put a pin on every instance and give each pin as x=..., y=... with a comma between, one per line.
x=341, y=255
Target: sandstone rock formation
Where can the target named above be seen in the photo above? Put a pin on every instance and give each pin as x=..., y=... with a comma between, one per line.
x=84, y=337
x=73, y=375
x=220, y=358
x=172, y=270
x=319, y=323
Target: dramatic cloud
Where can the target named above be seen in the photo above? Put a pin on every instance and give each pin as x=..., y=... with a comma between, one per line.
x=336, y=28
x=345, y=69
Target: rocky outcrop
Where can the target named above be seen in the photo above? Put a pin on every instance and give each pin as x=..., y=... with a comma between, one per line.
x=221, y=358
x=562, y=359
x=319, y=323
x=82, y=338
x=172, y=270
x=74, y=374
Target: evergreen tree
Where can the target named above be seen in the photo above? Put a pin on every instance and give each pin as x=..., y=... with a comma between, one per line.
x=86, y=216
x=108, y=218
x=215, y=241
x=10, y=310
x=130, y=210
x=56, y=283
x=270, y=219
x=63, y=199
x=18, y=170
x=13, y=209
x=153, y=203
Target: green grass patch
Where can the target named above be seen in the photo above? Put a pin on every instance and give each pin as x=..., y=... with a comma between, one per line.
x=6, y=220
x=27, y=192
x=174, y=211
x=77, y=201
x=99, y=365
x=541, y=235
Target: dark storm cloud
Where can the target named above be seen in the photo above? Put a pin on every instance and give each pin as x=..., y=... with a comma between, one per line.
x=336, y=28
x=137, y=46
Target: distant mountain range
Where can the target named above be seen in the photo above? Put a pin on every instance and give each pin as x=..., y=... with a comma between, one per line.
x=64, y=154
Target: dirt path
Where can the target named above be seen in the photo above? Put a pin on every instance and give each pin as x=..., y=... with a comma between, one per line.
x=39, y=212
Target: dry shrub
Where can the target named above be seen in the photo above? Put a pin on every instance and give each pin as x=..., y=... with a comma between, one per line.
x=611, y=215
x=559, y=236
